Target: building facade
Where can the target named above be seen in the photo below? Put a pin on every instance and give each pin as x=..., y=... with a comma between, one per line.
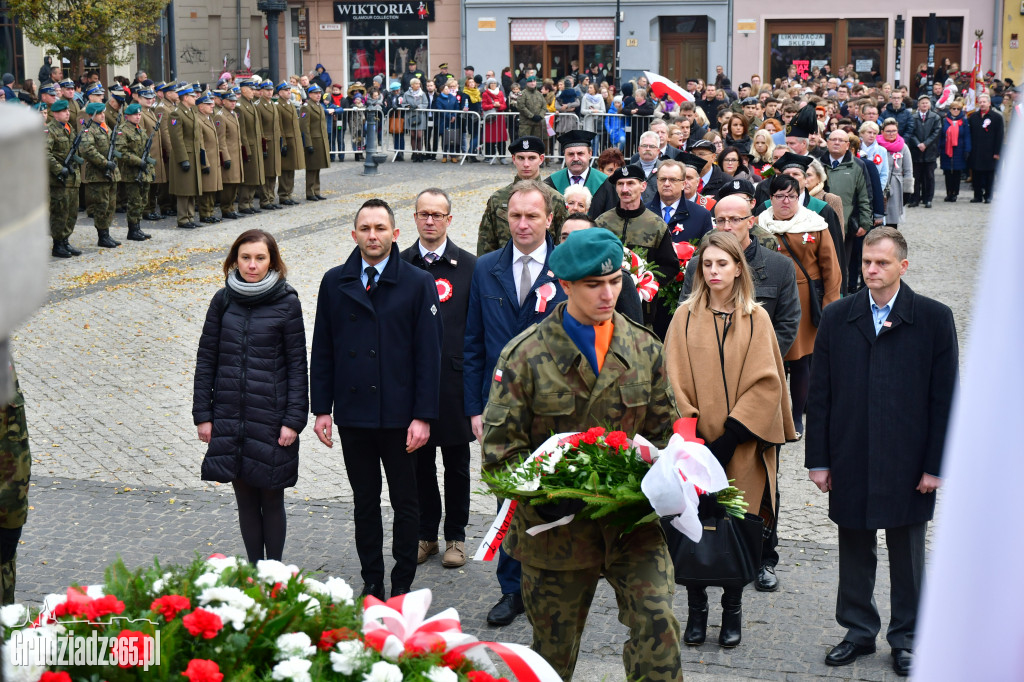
x=1012, y=52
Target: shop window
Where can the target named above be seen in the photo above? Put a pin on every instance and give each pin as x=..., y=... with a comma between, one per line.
x=804, y=51
x=383, y=47
x=951, y=30
x=12, y=59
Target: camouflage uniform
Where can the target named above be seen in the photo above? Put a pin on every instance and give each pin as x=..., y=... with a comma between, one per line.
x=100, y=191
x=131, y=141
x=494, y=231
x=546, y=386
x=63, y=195
x=531, y=103
x=15, y=469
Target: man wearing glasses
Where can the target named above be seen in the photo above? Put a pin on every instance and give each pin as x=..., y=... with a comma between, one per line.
x=847, y=181
x=452, y=270
x=686, y=220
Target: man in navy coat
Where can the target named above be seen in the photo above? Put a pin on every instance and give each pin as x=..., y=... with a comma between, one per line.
x=882, y=382
x=503, y=301
x=452, y=271
x=686, y=220
x=376, y=363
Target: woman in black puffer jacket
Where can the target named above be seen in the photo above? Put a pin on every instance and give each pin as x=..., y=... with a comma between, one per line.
x=251, y=389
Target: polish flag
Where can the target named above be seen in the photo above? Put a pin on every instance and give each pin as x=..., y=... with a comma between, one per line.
x=662, y=86
x=247, y=61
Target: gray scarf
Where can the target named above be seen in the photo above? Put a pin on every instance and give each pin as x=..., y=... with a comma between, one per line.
x=243, y=290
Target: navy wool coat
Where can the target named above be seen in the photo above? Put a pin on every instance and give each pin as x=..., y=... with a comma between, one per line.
x=376, y=360
x=250, y=380
x=879, y=405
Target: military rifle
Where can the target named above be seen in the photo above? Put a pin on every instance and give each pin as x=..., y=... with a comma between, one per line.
x=145, y=152
x=111, y=154
x=73, y=156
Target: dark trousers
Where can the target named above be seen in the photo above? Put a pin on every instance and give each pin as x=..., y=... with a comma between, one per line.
x=924, y=181
x=456, y=491
x=952, y=182
x=854, y=248
x=510, y=571
x=855, y=603
x=982, y=181
x=365, y=451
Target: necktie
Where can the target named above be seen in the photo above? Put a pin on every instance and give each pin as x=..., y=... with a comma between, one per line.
x=700, y=185
x=431, y=258
x=576, y=179
x=668, y=214
x=835, y=164
x=525, y=280
x=371, y=279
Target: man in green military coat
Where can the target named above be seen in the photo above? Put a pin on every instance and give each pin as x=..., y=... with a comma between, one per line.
x=136, y=172
x=64, y=180
x=15, y=470
x=638, y=227
x=293, y=137
x=584, y=366
x=99, y=174
x=527, y=157
x=67, y=93
x=317, y=143
x=270, y=117
x=186, y=153
x=532, y=110
x=250, y=126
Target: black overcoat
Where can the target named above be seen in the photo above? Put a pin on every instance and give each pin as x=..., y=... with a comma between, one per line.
x=986, y=139
x=879, y=405
x=453, y=275
x=376, y=359
x=250, y=380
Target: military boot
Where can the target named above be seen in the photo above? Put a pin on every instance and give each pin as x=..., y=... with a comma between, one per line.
x=73, y=250
x=136, y=234
x=105, y=240
x=58, y=250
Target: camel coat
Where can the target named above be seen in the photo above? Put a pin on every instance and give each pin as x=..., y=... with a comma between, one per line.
x=749, y=385
x=250, y=127
x=270, y=117
x=226, y=123
x=214, y=146
x=186, y=145
x=819, y=259
x=291, y=133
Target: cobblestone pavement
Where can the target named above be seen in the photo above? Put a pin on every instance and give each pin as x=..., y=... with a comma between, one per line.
x=107, y=366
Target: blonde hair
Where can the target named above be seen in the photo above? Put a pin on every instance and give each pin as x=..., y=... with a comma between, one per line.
x=742, y=288
x=767, y=156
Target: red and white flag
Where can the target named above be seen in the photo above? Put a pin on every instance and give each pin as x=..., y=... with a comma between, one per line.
x=662, y=86
x=248, y=60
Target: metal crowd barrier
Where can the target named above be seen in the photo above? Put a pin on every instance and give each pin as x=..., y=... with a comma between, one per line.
x=617, y=130
x=347, y=130
x=432, y=133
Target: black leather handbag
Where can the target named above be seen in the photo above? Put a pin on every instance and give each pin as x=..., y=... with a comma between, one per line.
x=728, y=554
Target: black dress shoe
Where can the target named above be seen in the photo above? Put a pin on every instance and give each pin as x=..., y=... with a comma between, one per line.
x=913, y=204
x=396, y=591
x=170, y=212
x=506, y=610
x=988, y=201
x=290, y=202
x=246, y=211
x=846, y=653
x=152, y=216
x=901, y=661
x=373, y=589
x=766, y=580
x=927, y=204
x=188, y=226
x=976, y=200
x=209, y=220
x=230, y=215
x=320, y=197
x=696, y=626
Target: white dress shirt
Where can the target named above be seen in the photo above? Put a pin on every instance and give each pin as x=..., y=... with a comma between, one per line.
x=439, y=251
x=536, y=265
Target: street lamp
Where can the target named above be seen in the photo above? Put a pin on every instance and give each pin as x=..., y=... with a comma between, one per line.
x=273, y=9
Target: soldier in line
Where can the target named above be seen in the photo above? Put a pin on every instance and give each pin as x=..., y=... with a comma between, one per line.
x=166, y=103
x=67, y=93
x=113, y=115
x=528, y=157
x=47, y=97
x=226, y=123
x=251, y=127
x=603, y=352
x=270, y=117
x=96, y=93
x=210, y=160
x=15, y=471
x=64, y=181
x=99, y=174
x=317, y=143
x=151, y=116
x=136, y=172
x=186, y=146
x=294, y=133
x=532, y=109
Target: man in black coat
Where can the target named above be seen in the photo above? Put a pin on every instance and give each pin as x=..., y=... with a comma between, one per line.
x=882, y=383
x=924, y=149
x=987, y=132
x=712, y=178
x=452, y=271
x=376, y=362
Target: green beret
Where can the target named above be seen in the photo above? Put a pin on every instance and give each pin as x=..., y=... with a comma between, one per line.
x=132, y=109
x=93, y=108
x=59, y=105
x=594, y=252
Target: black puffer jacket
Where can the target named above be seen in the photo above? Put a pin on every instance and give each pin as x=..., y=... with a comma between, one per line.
x=250, y=380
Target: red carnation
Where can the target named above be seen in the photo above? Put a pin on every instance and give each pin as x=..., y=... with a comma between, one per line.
x=216, y=555
x=328, y=638
x=170, y=606
x=275, y=589
x=203, y=670
x=482, y=676
x=55, y=677
x=203, y=623
x=595, y=431
x=132, y=641
x=574, y=440
x=75, y=604
x=103, y=606
x=616, y=440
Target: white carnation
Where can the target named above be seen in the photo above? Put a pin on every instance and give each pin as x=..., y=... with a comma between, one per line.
x=341, y=591
x=207, y=580
x=295, y=669
x=218, y=566
x=382, y=671
x=158, y=584
x=350, y=656
x=28, y=672
x=94, y=591
x=312, y=603
x=271, y=571
x=232, y=596
x=13, y=615
x=294, y=645
x=229, y=614
x=442, y=674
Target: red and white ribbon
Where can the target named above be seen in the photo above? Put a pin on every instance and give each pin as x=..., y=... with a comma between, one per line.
x=488, y=549
x=444, y=289
x=647, y=287
x=545, y=292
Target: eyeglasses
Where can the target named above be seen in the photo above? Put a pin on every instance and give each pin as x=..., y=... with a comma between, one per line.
x=438, y=217
x=649, y=146
x=669, y=181
x=730, y=220
x=783, y=198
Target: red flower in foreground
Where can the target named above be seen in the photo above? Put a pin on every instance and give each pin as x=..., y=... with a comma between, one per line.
x=616, y=439
x=202, y=670
x=454, y=660
x=55, y=677
x=75, y=604
x=328, y=638
x=482, y=676
x=133, y=640
x=170, y=606
x=203, y=623
x=103, y=606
